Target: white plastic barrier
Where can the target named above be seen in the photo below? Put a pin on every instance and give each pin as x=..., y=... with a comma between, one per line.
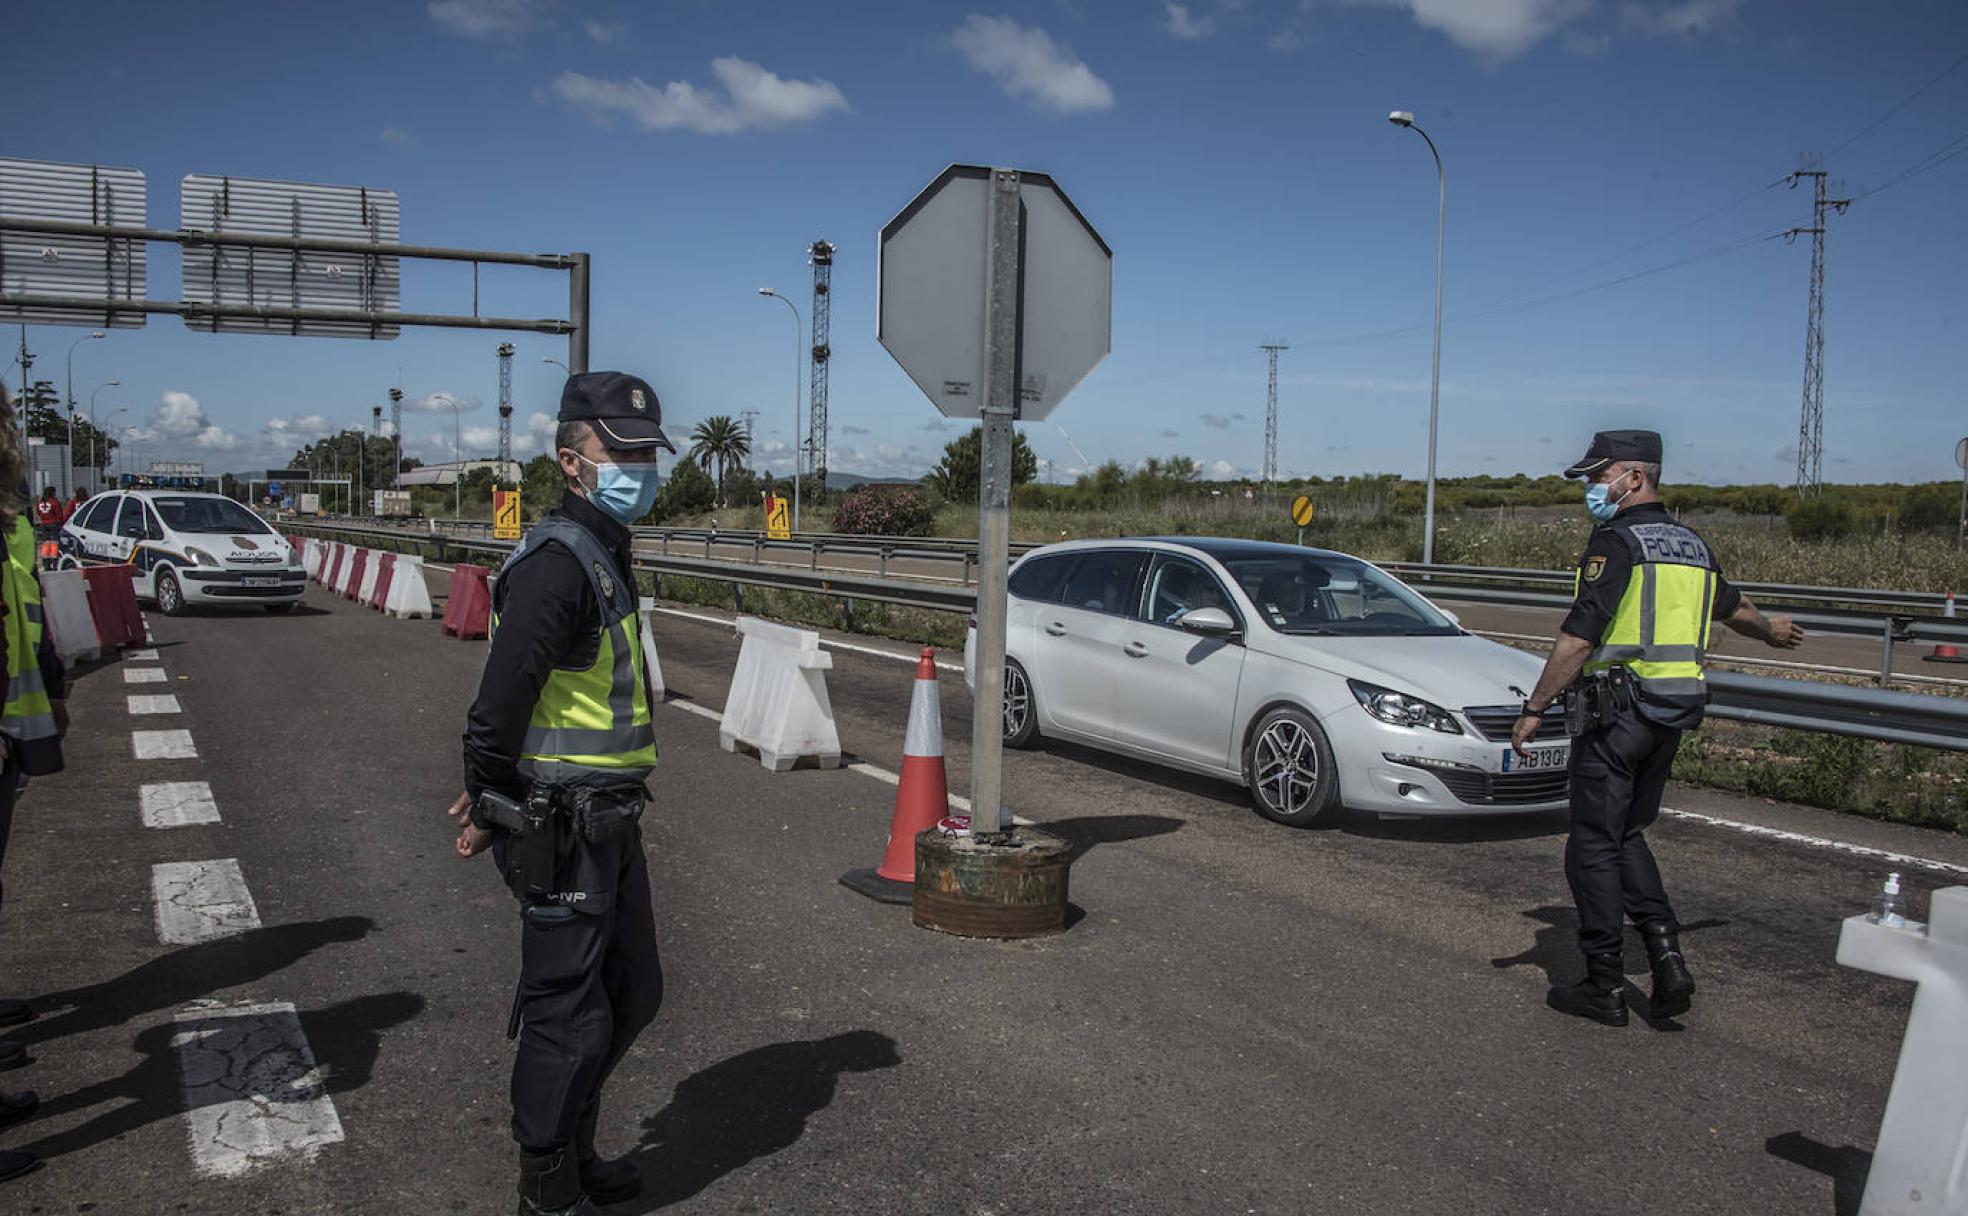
x=657, y=688
x=371, y=571
x=409, y=596
x=66, y=616
x=345, y=578
x=1920, y=1167
x=778, y=701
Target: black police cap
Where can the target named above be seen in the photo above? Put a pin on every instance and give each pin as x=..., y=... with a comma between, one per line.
x=1610, y=446
x=623, y=409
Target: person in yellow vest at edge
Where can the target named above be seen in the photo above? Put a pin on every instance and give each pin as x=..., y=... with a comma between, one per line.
x=558, y=746
x=1629, y=659
x=31, y=726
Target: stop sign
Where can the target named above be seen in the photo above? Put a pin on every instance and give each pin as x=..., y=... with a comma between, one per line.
x=931, y=309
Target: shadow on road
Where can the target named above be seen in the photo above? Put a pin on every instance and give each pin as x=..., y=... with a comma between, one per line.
x=1152, y=774
x=344, y=1038
x=1847, y=1167
x=1455, y=829
x=1554, y=950
x=1086, y=831
x=176, y=979
x=738, y=1110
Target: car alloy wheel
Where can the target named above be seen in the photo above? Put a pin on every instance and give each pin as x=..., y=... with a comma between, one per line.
x=1021, y=725
x=170, y=599
x=1288, y=766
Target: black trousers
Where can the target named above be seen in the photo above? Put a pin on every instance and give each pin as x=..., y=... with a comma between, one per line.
x=1618, y=774
x=587, y=987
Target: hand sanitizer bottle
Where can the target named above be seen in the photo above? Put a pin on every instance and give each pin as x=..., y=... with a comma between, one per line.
x=1889, y=906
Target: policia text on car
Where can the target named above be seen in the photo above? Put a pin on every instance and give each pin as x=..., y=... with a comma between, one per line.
x=1630, y=660
x=557, y=750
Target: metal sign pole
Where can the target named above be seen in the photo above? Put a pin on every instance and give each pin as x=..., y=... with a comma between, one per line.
x=577, y=314
x=1002, y=293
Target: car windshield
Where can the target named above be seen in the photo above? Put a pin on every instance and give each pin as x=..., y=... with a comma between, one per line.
x=1325, y=593
x=197, y=513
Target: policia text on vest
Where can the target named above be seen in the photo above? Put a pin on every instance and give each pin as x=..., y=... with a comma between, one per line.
x=1630, y=659
x=559, y=750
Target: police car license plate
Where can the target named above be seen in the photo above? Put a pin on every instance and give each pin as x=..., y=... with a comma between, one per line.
x=258, y=581
x=1540, y=759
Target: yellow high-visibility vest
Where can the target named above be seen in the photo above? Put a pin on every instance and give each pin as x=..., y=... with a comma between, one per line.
x=28, y=718
x=1661, y=629
x=595, y=720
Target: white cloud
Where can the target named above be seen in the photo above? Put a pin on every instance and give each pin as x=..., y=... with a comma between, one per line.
x=488, y=18
x=1215, y=422
x=396, y=137
x=217, y=439
x=312, y=422
x=480, y=439
x=179, y=416
x=440, y=403
x=1029, y=65
x=604, y=31
x=1285, y=40
x=1504, y=29
x=1221, y=470
x=1185, y=25
x=748, y=96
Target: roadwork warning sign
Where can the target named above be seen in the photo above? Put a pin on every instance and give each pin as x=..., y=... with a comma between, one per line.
x=505, y=515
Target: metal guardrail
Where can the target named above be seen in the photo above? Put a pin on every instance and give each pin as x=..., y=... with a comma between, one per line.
x=1878, y=714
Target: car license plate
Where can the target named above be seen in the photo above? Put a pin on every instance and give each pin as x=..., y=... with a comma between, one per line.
x=258, y=581
x=1540, y=759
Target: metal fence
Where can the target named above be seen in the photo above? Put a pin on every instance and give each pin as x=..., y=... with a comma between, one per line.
x=1878, y=714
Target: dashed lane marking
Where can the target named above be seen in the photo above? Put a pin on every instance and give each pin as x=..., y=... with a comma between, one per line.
x=252, y=1090
x=142, y=656
x=177, y=804
x=201, y=901
x=144, y=675
x=1816, y=842
x=163, y=745
x=154, y=705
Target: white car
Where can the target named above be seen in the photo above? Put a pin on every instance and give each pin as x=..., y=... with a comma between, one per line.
x=1315, y=679
x=186, y=548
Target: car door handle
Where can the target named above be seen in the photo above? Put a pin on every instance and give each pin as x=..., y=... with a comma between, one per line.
x=1135, y=650
x=1056, y=629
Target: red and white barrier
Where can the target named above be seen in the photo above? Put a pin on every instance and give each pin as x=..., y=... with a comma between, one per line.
x=373, y=570
x=778, y=703
x=468, y=609
x=66, y=616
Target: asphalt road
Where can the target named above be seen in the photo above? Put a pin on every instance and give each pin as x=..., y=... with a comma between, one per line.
x=1242, y=1018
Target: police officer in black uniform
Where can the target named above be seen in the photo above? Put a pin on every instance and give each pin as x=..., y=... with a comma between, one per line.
x=1648, y=589
x=557, y=748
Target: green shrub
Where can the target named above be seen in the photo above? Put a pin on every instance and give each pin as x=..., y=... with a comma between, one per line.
x=1816, y=519
x=885, y=511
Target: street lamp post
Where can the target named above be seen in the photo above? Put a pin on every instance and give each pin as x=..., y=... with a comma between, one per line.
x=557, y=363
x=1404, y=118
x=457, y=461
x=93, y=441
x=88, y=337
x=798, y=328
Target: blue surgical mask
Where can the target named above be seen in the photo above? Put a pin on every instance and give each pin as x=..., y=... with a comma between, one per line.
x=624, y=491
x=1600, y=503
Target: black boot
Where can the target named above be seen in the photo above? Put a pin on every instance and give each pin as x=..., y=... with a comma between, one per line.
x=607, y=1181
x=550, y=1185
x=1599, y=996
x=1674, y=988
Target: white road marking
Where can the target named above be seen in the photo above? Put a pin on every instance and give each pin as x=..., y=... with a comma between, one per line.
x=163, y=745
x=177, y=804
x=154, y=705
x=144, y=675
x=201, y=901
x=252, y=1090
x=1816, y=842
x=142, y=656
x=958, y=803
x=876, y=651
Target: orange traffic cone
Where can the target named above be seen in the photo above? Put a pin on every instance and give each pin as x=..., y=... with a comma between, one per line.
x=921, y=799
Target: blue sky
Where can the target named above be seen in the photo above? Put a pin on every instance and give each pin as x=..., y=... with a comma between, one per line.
x=1235, y=155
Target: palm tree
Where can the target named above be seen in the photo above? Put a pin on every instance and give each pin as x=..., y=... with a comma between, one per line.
x=722, y=440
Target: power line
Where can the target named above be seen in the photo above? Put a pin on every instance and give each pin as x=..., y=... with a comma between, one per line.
x=1908, y=100
x=1933, y=160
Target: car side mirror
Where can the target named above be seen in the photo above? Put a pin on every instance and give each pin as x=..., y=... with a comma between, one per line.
x=1207, y=622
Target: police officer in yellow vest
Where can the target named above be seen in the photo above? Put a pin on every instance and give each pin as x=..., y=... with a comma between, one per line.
x=557, y=749
x=1630, y=659
x=31, y=728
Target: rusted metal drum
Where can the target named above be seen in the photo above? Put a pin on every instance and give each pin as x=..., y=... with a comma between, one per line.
x=973, y=889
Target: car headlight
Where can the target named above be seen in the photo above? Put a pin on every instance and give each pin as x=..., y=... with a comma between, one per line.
x=293, y=558
x=1400, y=709
x=199, y=557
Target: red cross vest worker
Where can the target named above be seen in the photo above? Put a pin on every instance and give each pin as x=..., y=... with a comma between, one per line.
x=558, y=747
x=1630, y=663
x=48, y=516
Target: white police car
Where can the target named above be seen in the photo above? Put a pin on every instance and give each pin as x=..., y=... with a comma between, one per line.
x=186, y=548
